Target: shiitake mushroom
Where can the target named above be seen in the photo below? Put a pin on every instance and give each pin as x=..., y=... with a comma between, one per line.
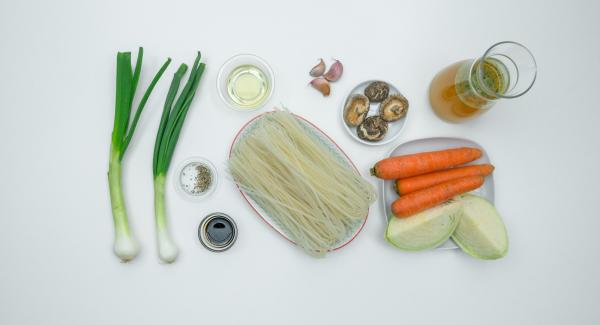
x=393, y=108
x=377, y=91
x=373, y=128
x=356, y=110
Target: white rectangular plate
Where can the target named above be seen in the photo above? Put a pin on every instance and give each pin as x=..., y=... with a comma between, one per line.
x=433, y=144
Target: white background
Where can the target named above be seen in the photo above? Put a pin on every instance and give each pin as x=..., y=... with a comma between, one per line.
x=57, y=71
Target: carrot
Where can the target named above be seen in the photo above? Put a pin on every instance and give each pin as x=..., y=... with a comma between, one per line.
x=415, y=183
x=423, y=163
x=418, y=201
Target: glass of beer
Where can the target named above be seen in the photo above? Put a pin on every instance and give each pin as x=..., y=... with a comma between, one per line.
x=469, y=88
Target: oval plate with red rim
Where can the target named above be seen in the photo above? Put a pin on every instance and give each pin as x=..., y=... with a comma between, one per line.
x=329, y=143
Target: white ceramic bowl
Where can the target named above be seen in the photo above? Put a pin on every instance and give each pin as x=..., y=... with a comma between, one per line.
x=394, y=128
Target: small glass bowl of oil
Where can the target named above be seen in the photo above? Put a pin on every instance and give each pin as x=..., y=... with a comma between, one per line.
x=245, y=82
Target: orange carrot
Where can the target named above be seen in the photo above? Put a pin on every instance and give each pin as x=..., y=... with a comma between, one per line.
x=423, y=163
x=418, y=201
x=415, y=183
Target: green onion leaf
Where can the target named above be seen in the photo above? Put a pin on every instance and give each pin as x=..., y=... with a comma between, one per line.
x=123, y=97
x=141, y=105
x=170, y=131
x=166, y=112
x=136, y=73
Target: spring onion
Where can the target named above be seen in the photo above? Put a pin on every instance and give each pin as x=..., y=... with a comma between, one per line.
x=171, y=122
x=125, y=246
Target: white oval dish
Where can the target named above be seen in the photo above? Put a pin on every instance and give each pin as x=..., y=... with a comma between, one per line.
x=332, y=146
x=432, y=144
x=394, y=128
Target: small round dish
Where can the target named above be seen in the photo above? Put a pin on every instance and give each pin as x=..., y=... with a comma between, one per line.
x=394, y=128
x=236, y=62
x=217, y=232
x=187, y=179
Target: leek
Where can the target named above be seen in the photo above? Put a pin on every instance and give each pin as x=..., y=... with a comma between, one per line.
x=125, y=246
x=171, y=122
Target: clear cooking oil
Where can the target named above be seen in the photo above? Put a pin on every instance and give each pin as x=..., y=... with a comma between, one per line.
x=247, y=86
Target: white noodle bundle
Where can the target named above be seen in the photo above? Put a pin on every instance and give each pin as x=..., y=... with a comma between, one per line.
x=315, y=196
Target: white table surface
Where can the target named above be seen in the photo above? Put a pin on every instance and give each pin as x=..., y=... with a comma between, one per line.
x=57, y=69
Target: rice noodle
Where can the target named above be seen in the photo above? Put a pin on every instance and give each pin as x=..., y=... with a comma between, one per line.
x=315, y=196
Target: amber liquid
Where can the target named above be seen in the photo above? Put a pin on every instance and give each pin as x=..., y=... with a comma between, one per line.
x=455, y=98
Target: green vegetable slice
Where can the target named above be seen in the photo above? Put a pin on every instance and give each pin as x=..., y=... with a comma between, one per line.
x=426, y=229
x=481, y=232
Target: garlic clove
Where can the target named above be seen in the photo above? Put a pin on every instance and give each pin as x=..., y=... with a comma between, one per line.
x=318, y=69
x=322, y=85
x=335, y=71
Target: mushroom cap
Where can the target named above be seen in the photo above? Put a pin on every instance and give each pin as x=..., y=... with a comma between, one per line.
x=377, y=91
x=373, y=128
x=356, y=110
x=393, y=108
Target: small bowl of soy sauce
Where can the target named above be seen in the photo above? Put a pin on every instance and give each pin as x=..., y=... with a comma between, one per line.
x=217, y=232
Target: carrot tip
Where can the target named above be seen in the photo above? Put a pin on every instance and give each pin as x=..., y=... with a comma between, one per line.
x=373, y=171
